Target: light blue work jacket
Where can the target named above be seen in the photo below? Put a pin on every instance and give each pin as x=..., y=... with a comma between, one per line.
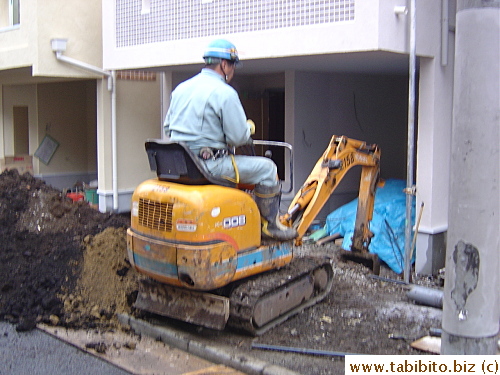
x=206, y=112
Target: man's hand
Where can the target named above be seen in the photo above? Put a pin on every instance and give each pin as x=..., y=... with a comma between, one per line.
x=206, y=153
x=251, y=126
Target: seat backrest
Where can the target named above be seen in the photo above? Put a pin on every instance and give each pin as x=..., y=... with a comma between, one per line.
x=175, y=162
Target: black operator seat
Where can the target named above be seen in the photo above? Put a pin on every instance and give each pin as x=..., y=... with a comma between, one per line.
x=175, y=162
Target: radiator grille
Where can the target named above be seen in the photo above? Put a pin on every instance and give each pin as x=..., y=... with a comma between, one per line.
x=151, y=21
x=155, y=215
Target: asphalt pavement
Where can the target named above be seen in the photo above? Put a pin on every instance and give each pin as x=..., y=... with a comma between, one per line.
x=157, y=350
x=60, y=351
x=37, y=353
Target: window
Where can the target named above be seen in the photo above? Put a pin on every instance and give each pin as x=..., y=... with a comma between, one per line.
x=9, y=13
x=148, y=21
x=14, y=12
x=146, y=7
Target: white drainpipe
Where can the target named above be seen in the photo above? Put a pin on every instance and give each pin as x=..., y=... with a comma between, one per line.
x=445, y=28
x=59, y=46
x=113, y=143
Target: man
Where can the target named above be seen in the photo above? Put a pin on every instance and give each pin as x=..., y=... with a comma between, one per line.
x=206, y=113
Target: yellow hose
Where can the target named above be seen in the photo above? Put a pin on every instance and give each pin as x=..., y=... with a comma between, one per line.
x=236, y=172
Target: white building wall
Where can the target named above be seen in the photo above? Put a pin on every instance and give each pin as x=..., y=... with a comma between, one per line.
x=138, y=118
x=84, y=37
x=134, y=38
x=373, y=108
x=28, y=44
x=434, y=144
x=17, y=42
x=312, y=122
x=61, y=113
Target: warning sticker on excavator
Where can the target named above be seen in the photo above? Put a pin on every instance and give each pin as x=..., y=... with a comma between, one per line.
x=185, y=226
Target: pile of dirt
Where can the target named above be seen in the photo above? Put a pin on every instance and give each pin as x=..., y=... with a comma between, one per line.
x=61, y=262
x=106, y=284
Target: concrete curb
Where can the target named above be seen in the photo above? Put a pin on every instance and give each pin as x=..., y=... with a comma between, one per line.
x=240, y=362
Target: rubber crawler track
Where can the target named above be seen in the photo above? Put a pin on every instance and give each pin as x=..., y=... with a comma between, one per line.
x=246, y=295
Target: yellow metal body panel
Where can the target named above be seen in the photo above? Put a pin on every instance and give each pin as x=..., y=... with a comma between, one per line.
x=198, y=212
x=153, y=257
x=191, y=235
x=265, y=258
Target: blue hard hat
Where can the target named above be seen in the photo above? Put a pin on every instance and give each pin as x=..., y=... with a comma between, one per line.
x=221, y=49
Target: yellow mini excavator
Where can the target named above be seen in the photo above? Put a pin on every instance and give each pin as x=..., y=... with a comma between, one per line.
x=197, y=241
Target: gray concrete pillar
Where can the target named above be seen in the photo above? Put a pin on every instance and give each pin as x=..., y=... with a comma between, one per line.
x=471, y=306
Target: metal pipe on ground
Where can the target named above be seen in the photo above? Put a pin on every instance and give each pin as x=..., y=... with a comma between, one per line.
x=426, y=296
x=300, y=350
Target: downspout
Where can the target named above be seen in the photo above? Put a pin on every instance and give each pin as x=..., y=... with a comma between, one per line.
x=112, y=88
x=445, y=28
x=114, y=153
x=410, y=188
x=84, y=66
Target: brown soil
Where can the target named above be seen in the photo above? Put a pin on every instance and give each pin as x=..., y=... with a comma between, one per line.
x=61, y=262
x=64, y=264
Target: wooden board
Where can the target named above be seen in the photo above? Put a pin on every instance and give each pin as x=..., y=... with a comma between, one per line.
x=137, y=355
x=429, y=344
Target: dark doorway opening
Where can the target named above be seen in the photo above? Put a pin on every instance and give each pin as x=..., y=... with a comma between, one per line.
x=276, y=127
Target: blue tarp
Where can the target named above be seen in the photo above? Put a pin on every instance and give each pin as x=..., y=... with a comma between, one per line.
x=387, y=225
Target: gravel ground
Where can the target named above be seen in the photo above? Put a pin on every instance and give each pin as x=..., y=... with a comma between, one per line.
x=64, y=264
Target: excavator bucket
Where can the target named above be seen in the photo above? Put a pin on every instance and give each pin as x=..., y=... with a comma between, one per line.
x=204, y=309
x=369, y=260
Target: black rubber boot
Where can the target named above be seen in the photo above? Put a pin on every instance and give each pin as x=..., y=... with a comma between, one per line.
x=268, y=200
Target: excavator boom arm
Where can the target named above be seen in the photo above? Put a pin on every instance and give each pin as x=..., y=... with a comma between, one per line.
x=340, y=156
